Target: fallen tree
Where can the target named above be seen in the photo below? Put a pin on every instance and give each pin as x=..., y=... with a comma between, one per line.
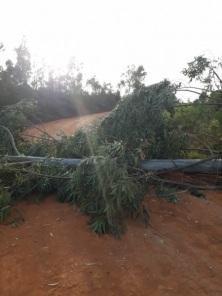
x=208, y=166
x=105, y=170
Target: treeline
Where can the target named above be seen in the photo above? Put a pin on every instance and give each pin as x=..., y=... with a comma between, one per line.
x=55, y=96
x=28, y=95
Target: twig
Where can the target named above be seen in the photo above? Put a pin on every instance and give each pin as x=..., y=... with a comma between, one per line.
x=217, y=75
x=192, y=91
x=182, y=184
x=40, y=138
x=175, y=192
x=44, y=132
x=197, y=104
x=201, y=142
x=12, y=140
x=39, y=174
x=202, y=150
x=193, y=87
x=17, y=163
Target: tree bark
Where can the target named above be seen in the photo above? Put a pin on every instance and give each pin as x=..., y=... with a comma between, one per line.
x=155, y=165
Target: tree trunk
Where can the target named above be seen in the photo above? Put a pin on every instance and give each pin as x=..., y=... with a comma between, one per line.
x=155, y=165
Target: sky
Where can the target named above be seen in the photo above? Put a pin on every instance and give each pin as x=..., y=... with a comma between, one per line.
x=107, y=35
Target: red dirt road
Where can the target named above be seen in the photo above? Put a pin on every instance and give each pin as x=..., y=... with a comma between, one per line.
x=54, y=253
x=67, y=125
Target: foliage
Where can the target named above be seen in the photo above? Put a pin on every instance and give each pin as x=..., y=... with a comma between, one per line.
x=14, y=78
x=133, y=79
x=206, y=71
x=143, y=122
x=196, y=68
x=203, y=127
x=104, y=190
x=203, y=119
x=15, y=117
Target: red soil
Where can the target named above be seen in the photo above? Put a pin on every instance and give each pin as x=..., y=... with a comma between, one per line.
x=67, y=125
x=55, y=253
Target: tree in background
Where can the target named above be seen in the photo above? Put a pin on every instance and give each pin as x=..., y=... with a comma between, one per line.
x=14, y=78
x=57, y=95
x=207, y=72
x=97, y=88
x=94, y=85
x=133, y=79
x=22, y=69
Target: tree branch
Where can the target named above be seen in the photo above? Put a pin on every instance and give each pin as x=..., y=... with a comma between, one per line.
x=192, y=91
x=185, y=184
x=11, y=138
x=218, y=77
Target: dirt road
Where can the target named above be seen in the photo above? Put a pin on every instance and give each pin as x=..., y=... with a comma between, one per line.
x=67, y=125
x=54, y=253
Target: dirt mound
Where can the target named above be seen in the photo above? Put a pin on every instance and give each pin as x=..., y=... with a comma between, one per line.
x=54, y=253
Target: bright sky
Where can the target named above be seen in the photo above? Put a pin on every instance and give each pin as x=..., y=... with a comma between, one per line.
x=106, y=36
